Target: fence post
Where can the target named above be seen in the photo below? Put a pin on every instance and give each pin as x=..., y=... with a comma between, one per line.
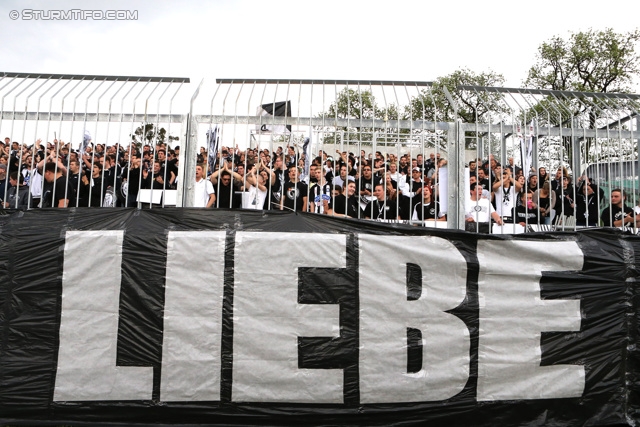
x=455, y=167
x=190, y=156
x=635, y=135
x=534, y=153
x=575, y=153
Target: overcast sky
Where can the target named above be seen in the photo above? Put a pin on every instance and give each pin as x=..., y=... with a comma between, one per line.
x=398, y=40
x=356, y=40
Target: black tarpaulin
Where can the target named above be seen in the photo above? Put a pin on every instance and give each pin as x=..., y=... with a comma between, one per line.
x=192, y=316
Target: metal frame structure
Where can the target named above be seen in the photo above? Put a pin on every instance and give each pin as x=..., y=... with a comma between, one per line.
x=573, y=129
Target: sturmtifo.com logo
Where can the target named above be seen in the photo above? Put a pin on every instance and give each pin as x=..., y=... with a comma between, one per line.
x=74, y=15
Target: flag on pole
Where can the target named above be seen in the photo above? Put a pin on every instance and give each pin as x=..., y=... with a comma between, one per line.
x=86, y=140
x=277, y=109
x=213, y=140
x=526, y=148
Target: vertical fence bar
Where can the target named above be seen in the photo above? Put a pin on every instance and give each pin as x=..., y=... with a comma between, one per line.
x=191, y=154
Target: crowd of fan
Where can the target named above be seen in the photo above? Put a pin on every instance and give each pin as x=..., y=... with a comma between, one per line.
x=367, y=186
x=389, y=187
x=55, y=175
x=370, y=186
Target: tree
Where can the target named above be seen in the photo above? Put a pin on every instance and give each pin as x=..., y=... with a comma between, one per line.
x=149, y=132
x=473, y=106
x=590, y=61
x=357, y=105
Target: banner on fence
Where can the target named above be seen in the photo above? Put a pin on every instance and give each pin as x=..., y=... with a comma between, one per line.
x=193, y=316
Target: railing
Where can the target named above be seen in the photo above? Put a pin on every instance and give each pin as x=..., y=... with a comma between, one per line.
x=401, y=123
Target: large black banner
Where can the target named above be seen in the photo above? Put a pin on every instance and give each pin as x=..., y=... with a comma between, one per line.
x=191, y=316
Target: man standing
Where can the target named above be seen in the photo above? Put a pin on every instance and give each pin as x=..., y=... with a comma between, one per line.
x=411, y=192
x=276, y=182
x=505, y=194
x=18, y=194
x=294, y=195
x=429, y=209
x=586, y=205
x=321, y=192
x=74, y=182
x=346, y=203
x=92, y=188
x=565, y=197
x=4, y=182
x=380, y=208
x=480, y=211
x=365, y=184
x=344, y=176
x=618, y=214
x=205, y=195
x=57, y=195
x=166, y=165
x=221, y=180
x=131, y=179
x=483, y=181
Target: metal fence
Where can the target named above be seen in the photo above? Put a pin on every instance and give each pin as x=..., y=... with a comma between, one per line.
x=591, y=137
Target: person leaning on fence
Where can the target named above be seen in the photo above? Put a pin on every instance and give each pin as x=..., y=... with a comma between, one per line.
x=618, y=214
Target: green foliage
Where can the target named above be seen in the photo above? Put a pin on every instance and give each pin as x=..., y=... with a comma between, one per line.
x=356, y=105
x=149, y=133
x=590, y=61
x=473, y=106
x=351, y=104
x=430, y=105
